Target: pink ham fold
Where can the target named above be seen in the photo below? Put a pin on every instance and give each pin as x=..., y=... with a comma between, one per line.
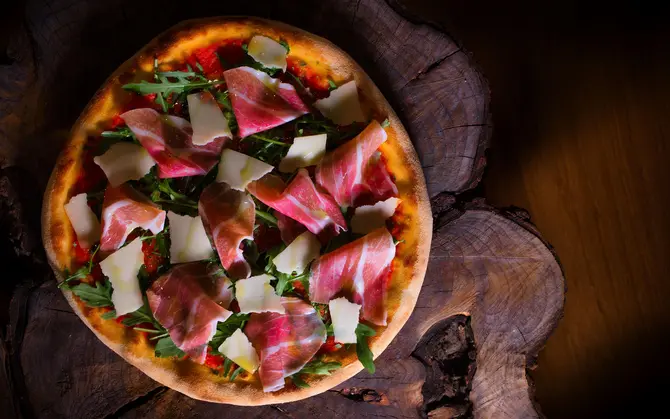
x=228, y=216
x=358, y=270
x=189, y=300
x=261, y=102
x=289, y=228
x=377, y=180
x=123, y=210
x=286, y=342
x=302, y=201
x=345, y=172
x=167, y=138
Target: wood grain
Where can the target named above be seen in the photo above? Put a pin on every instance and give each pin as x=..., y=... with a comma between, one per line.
x=582, y=140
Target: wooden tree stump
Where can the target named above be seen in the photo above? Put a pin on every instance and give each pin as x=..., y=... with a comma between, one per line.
x=487, y=264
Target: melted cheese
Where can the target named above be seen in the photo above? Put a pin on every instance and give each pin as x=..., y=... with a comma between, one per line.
x=295, y=258
x=256, y=295
x=239, y=350
x=124, y=161
x=238, y=170
x=85, y=223
x=342, y=106
x=345, y=319
x=304, y=152
x=188, y=240
x=207, y=119
x=370, y=217
x=121, y=267
x=268, y=52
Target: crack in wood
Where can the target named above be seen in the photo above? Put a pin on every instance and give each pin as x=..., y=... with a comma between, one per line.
x=138, y=402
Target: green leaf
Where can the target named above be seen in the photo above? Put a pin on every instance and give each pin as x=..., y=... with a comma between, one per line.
x=386, y=123
x=266, y=217
x=285, y=45
x=108, y=315
x=331, y=85
x=235, y=373
x=98, y=296
x=318, y=367
x=363, y=349
x=166, y=87
x=225, y=329
x=80, y=273
x=139, y=316
x=226, y=366
x=166, y=348
x=299, y=382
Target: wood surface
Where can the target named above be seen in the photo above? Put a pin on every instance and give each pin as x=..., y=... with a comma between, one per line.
x=582, y=140
x=485, y=263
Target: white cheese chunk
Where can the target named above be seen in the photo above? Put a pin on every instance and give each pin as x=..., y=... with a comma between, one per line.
x=238, y=170
x=207, y=120
x=305, y=151
x=85, y=223
x=370, y=217
x=188, y=240
x=124, y=161
x=295, y=258
x=256, y=295
x=342, y=106
x=345, y=319
x=121, y=267
x=268, y=52
x=238, y=349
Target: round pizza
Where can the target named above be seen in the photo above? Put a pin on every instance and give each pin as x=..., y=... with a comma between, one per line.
x=240, y=214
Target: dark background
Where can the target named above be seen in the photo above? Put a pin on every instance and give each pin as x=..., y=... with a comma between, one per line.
x=582, y=140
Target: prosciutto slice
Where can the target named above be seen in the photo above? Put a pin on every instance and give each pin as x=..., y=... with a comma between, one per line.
x=301, y=201
x=189, y=300
x=289, y=228
x=377, y=180
x=168, y=139
x=123, y=210
x=228, y=216
x=342, y=172
x=261, y=102
x=286, y=342
x=359, y=269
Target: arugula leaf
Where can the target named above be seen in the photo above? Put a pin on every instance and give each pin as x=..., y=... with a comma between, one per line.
x=98, y=296
x=362, y=348
x=266, y=217
x=108, y=315
x=166, y=87
x=318, y=367
x=80, y=273
x=299, y=382
x=235, y=373
x=226, y=366
x=386, y=123
x=285, y=45
x=331, y=85
x=166, y=348
x=225, y=329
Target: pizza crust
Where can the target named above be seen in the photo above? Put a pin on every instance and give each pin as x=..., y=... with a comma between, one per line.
x=175, y=45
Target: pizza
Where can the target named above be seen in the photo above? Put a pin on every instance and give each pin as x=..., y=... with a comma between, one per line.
x=240, y=214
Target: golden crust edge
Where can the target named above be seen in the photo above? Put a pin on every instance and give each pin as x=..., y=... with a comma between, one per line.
x=194, y=384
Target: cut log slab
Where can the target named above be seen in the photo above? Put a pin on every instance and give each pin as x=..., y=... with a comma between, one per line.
x=487, y=265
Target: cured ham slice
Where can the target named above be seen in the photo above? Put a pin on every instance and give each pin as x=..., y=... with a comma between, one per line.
x=168, y=139
x=123, y=210
x=228, y=216
x=261, y=102
x=302, y=201
x=377, y=180
x=189, y=300
x=286, y=342
x=359, y=269
x=289, y=228
x=342, y=172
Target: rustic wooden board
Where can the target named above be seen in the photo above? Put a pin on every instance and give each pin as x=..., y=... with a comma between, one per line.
x=485, y=263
